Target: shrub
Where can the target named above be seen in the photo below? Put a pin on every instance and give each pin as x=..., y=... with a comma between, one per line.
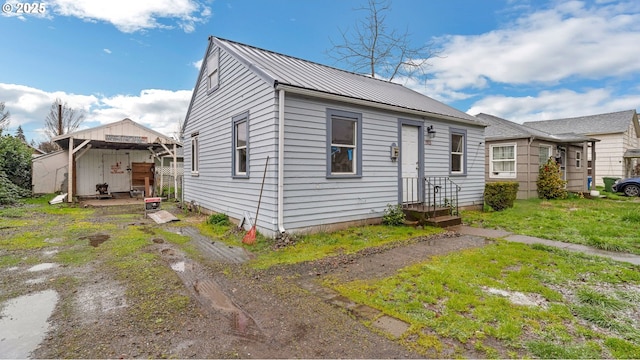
x=550, y=184
x=393, y=215
x=219, y=219
x=500, y=195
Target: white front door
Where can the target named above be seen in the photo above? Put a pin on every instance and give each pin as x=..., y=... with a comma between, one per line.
x=410, y=162
x=115, y=173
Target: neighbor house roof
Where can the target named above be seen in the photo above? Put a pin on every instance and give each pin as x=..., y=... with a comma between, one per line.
x=282, y=69
x=611, y=123
x=503, y=129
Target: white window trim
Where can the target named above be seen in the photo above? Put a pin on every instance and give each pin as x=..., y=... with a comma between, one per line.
x=462, y=154
x=550, y=147
x=578, y=159
x=515, y=160
x=213, y=71
x=195, y=156
x=236, y=120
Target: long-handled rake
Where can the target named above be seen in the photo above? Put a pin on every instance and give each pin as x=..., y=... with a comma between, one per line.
x=250, y=236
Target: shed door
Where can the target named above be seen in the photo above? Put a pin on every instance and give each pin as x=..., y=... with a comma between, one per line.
x=114, y=172
x=410, y=162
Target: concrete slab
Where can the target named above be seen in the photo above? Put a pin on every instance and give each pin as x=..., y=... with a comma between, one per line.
x=162, y=217
x=491, y=233
x=391, y=326
x=487, y=233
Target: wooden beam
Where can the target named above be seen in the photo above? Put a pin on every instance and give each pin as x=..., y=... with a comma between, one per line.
x=70, y=172
x=81, y=146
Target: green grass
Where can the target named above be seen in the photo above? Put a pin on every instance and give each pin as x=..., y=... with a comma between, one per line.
x=448, y=295
x=316, y=246
x=601, y=223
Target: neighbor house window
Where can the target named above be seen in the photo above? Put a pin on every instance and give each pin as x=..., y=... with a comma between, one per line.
x=195, y=158
x=578, y=159
x=344, y=144
x=241, y=145
x=544, y=154
x=458, y=148
x=213, y=73
x=502, y=161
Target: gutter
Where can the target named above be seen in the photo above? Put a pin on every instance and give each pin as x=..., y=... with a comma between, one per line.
x=281, y=94
x=369, y=103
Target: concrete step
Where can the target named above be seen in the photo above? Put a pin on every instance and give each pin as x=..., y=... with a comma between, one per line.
x=444, y=221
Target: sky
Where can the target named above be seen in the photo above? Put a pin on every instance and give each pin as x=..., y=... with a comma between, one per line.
x=521, y=60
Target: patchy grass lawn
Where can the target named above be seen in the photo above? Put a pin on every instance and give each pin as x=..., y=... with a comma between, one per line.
x=316, y=246
x=37, y=225
x=601, y=223
x=512, y=300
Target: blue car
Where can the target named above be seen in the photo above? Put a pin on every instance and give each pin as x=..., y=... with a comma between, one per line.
x=629, y=186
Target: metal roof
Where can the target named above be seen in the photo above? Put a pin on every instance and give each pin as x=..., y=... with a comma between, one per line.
x=154, y=138
x=502, y=129
x=610, y=123
x=282, y=69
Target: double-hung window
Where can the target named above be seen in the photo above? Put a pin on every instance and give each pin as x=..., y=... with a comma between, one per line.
x=213, y=71
x=344, y=144
x=194, y=154
x=240, y=145
x=544, y=153
x=458, y=149
x=578, y=159
x=502, y=161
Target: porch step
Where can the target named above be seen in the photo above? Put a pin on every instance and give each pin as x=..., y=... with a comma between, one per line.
x=444, y=221
x=421, y=212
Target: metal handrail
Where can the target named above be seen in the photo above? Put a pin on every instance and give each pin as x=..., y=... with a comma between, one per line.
x=442, y=193
x=436, y=192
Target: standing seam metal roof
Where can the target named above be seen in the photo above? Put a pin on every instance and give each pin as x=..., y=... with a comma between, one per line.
x=305, y=74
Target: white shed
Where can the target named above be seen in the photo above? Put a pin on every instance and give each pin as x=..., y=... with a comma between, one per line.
x=120, y=154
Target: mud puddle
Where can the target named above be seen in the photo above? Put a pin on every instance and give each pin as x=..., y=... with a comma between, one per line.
x=23, y=323
x=96, y=240
x=211, y=296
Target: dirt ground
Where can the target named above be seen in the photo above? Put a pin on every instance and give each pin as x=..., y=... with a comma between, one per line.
x=234, y=311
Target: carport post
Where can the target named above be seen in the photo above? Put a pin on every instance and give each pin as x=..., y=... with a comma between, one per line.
x=70, y=172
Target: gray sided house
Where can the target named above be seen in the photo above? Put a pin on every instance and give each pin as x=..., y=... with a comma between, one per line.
x=340, y=146
x=619, y=135
x=122, y=154
x=515, y=152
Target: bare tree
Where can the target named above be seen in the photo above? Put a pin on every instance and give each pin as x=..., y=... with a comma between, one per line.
x=372, y=48
x=47, y=146
x=62, y=119
x=4, y=117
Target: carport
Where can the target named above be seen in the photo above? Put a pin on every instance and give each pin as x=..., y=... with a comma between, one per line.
x=121, y=155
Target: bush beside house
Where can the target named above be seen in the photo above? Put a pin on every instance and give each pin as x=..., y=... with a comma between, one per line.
x=500, y=195
x=550, y=183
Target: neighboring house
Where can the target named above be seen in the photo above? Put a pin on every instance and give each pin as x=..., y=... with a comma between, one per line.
x=340, y=146
x=515, y=152
x=618, y=133
x=121, y=154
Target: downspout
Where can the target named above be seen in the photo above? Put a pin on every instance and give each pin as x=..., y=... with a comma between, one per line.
x=281, y=228
x=528, y=165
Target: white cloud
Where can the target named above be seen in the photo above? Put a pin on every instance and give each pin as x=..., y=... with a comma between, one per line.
x=544, y=47
x=160, y=110
x=107, y=51
x=131, y=16
x=197, y=64
x=556, y=104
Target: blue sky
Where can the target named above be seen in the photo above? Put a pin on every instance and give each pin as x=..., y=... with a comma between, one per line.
x=518, y=59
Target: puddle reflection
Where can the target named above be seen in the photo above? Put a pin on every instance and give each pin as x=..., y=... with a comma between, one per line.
x=23, y=323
